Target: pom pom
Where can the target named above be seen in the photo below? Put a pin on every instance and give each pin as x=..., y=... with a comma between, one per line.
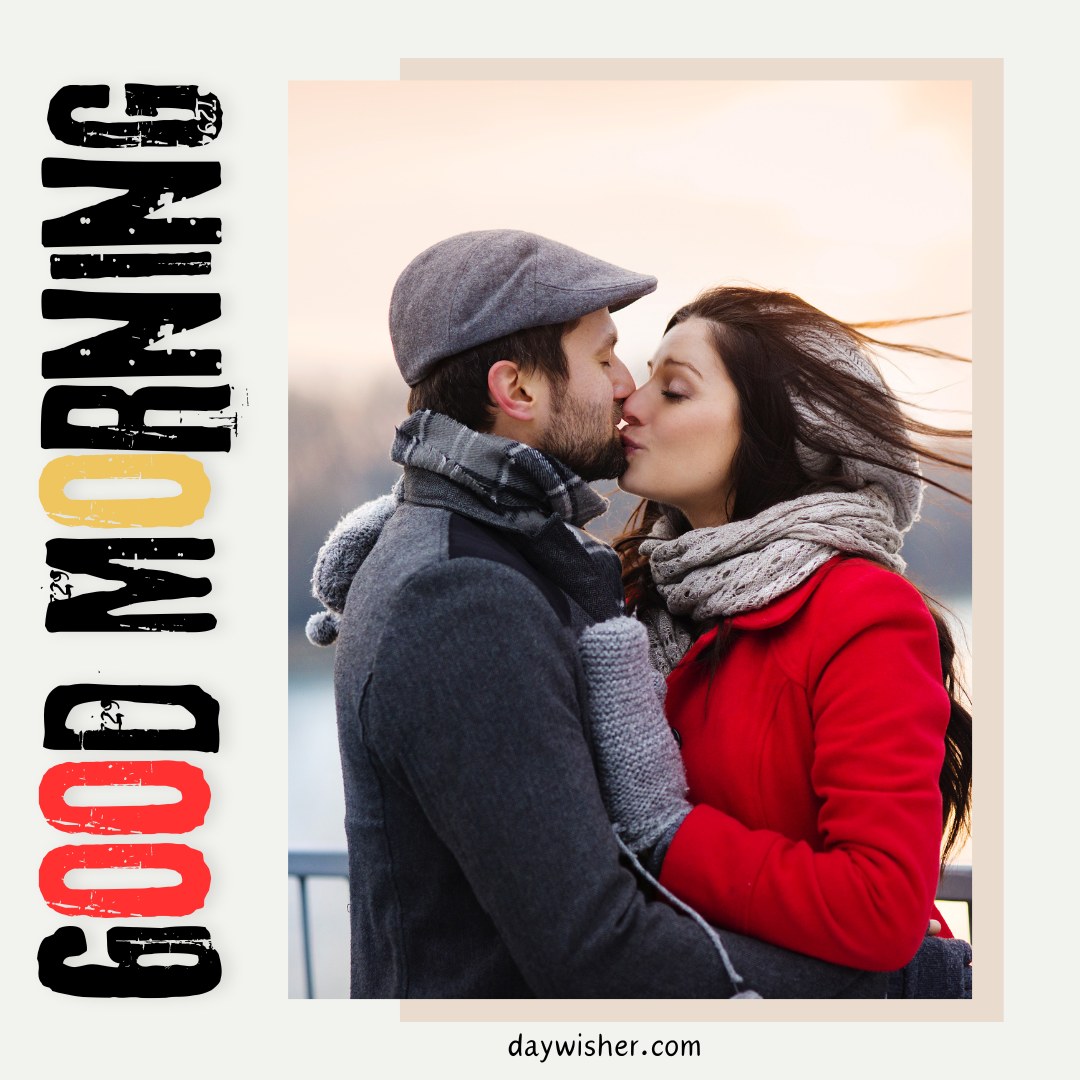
x=347, y=547
x=322, y=628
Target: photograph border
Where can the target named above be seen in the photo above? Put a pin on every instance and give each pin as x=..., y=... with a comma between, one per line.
x=986, y=77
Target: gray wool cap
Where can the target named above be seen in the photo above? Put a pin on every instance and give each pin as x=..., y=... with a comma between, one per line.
x=478, y=286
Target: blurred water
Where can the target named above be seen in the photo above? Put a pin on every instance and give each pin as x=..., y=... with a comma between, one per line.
x=316, y=798
x=317, y=811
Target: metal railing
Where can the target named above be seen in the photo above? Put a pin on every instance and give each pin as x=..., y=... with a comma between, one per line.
x=955, y=884
x=308, y=864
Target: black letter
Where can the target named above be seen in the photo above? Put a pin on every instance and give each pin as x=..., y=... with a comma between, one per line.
x=150, y=317
x=130, y=264
x=62, y=699
x=203, y=126
x=130, y=431
x=126, y=944
x=123, y=219
x=91, y=611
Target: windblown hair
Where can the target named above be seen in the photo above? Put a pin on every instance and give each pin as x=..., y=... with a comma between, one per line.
x=762, y=338
x=457, y=387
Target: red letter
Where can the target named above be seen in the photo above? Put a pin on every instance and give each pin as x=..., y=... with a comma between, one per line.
x=125, y=903
x=180, y=817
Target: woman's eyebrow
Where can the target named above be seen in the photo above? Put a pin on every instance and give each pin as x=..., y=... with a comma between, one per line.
x=677, y=363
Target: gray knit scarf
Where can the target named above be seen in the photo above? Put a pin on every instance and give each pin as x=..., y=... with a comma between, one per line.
x=708, y=574
x=524, y=485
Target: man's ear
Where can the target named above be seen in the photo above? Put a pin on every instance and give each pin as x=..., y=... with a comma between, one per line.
x=513, y=392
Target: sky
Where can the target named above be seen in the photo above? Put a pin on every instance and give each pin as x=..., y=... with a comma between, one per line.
x=856, y=195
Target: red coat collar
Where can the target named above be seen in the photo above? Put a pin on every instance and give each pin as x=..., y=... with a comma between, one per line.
x=779, y=611
x=786, y=606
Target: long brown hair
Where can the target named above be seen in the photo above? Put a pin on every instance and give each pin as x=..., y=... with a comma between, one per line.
x=762, y=337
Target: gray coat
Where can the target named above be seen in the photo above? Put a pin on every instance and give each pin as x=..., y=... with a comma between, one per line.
x=482, y=863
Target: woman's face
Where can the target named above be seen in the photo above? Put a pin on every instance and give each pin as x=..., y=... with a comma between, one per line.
x=682, y=428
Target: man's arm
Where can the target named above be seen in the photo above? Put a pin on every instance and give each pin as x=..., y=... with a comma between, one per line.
x=476, y=707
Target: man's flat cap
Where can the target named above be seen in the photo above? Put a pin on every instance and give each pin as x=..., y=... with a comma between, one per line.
x=478, y=286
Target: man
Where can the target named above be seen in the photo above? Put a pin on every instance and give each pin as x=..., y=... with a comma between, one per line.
x=482, y=863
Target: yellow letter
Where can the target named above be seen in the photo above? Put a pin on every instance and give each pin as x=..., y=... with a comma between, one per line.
x=180, y=509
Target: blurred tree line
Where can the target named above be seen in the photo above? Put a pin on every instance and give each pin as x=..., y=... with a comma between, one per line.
x=339, y=457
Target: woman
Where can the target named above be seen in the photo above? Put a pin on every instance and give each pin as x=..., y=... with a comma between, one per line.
x=824, y=750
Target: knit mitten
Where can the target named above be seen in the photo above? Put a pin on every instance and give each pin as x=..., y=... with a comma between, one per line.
x=940, y=969
x=641, y=774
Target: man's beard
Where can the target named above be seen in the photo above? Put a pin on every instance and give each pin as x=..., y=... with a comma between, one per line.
x=583, y=438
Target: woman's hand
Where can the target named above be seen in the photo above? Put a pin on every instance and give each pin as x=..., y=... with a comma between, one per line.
x=641, y=774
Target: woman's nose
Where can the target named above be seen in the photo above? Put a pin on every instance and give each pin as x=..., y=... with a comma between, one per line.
x=631, y=407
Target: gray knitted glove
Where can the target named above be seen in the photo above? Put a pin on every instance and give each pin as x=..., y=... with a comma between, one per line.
x=641, y=773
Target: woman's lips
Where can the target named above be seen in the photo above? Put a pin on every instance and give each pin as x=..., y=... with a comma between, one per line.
x=629, y=446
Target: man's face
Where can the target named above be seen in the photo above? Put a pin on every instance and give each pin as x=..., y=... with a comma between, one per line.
x=582, y=430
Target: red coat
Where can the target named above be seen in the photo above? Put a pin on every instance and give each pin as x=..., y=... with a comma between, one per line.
x=813, y=756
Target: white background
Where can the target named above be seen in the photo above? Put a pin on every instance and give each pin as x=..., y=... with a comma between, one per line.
x=247, y=60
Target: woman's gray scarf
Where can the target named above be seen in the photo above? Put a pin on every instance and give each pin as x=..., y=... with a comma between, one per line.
x=709, y=574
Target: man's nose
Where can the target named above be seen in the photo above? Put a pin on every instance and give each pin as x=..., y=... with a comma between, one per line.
x=622, y=382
